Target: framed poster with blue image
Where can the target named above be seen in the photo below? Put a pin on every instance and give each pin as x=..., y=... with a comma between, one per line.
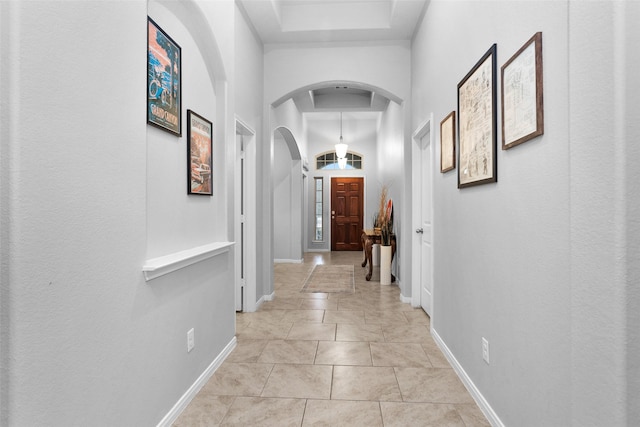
x=164, y=80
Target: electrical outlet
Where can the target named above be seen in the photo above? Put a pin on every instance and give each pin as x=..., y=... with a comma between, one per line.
x=485, y=350
x=191, y=340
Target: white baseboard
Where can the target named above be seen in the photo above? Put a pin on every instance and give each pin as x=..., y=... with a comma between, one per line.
x=186, y=398
x=265, y=298
x=403, y=299
x=486, y=409
x=406, y=300
x=409, y=300
x=288, y=261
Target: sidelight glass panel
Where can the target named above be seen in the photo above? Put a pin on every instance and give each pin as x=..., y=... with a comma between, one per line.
x=318, y=210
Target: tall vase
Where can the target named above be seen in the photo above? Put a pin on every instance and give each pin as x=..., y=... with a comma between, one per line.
x=385, y=265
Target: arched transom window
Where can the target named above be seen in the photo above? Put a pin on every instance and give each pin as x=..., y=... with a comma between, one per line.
x=328, y=161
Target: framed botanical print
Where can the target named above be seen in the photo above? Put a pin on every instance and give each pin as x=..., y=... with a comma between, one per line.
x=522, y=103
x=477, y=123
x=199, y=154
x=164, y=80
x=448, y=143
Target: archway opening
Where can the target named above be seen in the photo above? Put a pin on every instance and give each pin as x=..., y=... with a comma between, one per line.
x=287, y=198
x=375, y=130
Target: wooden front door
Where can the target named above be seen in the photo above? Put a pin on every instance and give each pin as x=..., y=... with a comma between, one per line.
x=347, y=213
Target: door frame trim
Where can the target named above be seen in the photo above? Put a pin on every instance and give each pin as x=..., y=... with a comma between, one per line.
x=249, y=303
x=426, y=127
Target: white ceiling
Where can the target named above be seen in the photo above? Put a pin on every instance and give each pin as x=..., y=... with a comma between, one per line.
x=312, y=21
x=334, y=21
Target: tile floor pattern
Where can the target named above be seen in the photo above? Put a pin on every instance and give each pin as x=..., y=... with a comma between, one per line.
x=336, y=359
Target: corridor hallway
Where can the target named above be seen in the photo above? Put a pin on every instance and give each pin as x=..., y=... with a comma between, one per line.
x=333, y=359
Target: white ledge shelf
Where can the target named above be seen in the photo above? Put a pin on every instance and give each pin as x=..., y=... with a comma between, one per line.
x=156, y=267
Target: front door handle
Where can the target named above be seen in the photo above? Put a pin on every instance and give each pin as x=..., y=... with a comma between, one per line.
x=419, y=231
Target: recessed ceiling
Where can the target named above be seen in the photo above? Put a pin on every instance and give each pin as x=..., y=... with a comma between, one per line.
x=304, y=21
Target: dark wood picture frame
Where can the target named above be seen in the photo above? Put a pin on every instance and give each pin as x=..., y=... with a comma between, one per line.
x=448, y=143
x=199, y=155
x=164, y=80
x=477, y=123
x=522, y=94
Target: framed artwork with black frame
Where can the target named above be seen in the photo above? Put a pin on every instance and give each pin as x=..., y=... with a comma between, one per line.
x=199, y=154
x=522, y=103
x=164, y=80
x=477, y=123
x=448, y=143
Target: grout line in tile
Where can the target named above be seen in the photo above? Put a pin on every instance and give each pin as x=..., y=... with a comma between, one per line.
x=226, y=413
x=395, y=374
x=267, y=380
x=262, y=351
x=304, y=411
x=333, y=369
x=288, y=331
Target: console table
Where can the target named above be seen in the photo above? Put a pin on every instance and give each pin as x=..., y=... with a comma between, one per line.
x=369, y=238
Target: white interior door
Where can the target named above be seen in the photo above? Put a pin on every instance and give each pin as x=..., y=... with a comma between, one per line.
x=422, y=213
x=426, y=273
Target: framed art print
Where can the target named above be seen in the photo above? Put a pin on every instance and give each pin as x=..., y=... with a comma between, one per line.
x=448, y=143
x=164, y=80
x=522, y=104
x=199, y=152
x=477, y=123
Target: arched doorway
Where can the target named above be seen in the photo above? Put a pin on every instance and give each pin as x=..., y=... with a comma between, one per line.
x=287, y=198
x=387, y=154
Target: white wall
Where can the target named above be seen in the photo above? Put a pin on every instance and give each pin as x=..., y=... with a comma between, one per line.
x=248, y=89
x=287, y=115
x=501, y=250
x=287, y=196
x=533, y=262
x=282, y=201
x=602, y=157
x=175, y=219
x=383, y=65
x=248, y=78
x=5, y=135
x=289, y=145
x=631, y=131
x=393, y=174
x=87, y=339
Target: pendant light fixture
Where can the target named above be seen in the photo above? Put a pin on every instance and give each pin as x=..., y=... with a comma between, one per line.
x=341, y=147
x=342, y=162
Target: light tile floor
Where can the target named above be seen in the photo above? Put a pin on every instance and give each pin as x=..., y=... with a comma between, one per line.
x=336, y=359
